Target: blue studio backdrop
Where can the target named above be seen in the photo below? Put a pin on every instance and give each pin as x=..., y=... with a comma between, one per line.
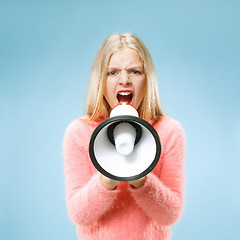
x=46, y=52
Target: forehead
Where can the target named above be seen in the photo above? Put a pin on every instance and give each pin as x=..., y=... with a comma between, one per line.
x=125, y=57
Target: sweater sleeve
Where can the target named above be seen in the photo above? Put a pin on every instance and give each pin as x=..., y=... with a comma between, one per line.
x=162, y=196
x=87, y=200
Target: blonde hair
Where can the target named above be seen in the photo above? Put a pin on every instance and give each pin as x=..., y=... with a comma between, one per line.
x=97, y=105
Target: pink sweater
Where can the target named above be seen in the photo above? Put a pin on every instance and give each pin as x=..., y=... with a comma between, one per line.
x=124, y=213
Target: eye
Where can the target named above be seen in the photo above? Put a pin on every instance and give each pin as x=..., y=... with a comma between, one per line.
x=112, y=73
x=135, y=72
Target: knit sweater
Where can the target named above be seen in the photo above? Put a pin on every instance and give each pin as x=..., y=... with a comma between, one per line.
x=124, y=213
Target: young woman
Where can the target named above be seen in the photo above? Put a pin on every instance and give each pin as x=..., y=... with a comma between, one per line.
x=106, y=209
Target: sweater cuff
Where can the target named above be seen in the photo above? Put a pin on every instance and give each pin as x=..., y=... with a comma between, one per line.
x=96, y=183
x=148, y=188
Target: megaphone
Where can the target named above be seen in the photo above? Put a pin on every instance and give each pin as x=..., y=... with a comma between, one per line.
x=124, y=147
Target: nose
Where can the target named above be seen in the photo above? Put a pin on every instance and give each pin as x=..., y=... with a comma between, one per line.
x=124, y=78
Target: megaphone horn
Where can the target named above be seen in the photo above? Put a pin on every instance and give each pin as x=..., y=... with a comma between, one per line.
x=124, y=147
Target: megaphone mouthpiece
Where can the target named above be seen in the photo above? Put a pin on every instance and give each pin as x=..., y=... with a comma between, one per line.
x=124, y=135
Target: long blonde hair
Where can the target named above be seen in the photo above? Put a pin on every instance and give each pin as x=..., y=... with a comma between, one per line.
x=97, y=105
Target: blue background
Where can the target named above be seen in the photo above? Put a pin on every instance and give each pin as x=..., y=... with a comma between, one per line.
x=46, y=52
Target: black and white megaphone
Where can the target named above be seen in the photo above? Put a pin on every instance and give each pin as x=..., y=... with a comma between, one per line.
x=124, y=147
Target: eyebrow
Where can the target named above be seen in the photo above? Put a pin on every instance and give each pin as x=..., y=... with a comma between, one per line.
x=130, y=67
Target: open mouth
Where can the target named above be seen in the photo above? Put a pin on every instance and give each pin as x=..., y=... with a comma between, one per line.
x=124, y=97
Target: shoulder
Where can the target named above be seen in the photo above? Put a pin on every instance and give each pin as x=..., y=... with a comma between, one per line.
x=168, y=125
x=171, y=134
x=170, y=130
x=82, y=123
x=81, y=128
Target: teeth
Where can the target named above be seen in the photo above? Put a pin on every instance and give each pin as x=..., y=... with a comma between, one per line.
x=124, y=93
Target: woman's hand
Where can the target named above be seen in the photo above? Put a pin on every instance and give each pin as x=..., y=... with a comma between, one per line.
x=109, y=183
x=139, y=182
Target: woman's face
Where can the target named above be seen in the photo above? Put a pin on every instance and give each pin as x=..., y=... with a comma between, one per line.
x=126, y=79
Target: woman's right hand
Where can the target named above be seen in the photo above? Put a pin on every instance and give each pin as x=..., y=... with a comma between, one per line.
x=109, y=183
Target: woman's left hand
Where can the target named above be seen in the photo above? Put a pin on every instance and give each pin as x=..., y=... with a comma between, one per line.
x=139, y=182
